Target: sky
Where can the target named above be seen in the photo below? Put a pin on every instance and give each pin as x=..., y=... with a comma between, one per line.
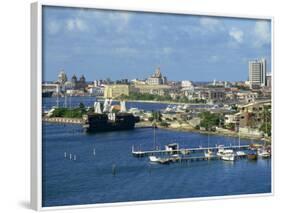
x=127, y=45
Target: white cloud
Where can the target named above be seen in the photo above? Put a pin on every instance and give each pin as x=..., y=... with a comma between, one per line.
x=76, y=24
x=167, y=50
x=210, y=23
x=213, y=59
x=236, y=34
x=262, y=33
x=53, y=27
x=117, y=21
x=125, y=51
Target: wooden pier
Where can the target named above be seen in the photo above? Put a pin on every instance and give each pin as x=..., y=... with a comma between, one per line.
x=184, y=151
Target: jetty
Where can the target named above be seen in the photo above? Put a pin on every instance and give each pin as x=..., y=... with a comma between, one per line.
x=63, y=120
x=183, y=151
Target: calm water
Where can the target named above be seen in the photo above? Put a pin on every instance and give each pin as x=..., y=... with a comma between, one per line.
x=89, y=179
x=88, y=101
x=48, y=103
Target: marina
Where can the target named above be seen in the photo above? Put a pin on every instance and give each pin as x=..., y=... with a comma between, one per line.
x=142, y=153
x=119, y=163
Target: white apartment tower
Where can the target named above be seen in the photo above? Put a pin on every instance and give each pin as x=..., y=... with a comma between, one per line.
x=257, y=72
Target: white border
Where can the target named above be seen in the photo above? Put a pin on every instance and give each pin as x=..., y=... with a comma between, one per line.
x=36, y=100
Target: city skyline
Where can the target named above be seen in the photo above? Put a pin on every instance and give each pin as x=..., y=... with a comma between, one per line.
x=129, y=45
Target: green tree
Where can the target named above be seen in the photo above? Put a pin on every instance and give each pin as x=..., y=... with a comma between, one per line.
x=157, y=116
x=208, y=120
x=266, y=120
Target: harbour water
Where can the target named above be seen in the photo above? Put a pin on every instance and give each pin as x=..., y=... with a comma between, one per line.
x=80, y=168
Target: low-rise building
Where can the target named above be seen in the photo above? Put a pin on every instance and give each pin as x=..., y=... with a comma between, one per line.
x=253, y=114
x=216, y=95
x=95, y=90
x=187, y=84
x=152, y=89
x=247, y=96
x=116, y=90
x=48, y=87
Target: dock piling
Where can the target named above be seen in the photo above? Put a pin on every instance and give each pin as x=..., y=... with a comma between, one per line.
x=113, y=169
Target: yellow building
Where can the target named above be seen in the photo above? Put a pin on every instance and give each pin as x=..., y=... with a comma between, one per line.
x=115, y=90
x=152, y=89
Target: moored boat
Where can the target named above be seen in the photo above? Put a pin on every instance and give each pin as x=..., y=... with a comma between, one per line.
x=107, y=119
x=241, y=153
x=263, y=153
x=154, y=159
x=228, y=155
x=252, y=156
x=220, y=150
x=208, y=153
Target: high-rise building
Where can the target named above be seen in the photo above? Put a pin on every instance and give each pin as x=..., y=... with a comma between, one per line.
x=257, y=73
x=268, y=79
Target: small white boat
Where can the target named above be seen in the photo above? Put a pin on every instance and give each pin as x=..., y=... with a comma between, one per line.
x=175, y=158
x=228, y=155
x=263, y=153
x=220, y=150
x=240, y=153
x=208, y=154
x=153, y=159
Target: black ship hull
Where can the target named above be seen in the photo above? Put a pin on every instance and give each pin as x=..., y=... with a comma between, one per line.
x=47, y=94
x=100, y=123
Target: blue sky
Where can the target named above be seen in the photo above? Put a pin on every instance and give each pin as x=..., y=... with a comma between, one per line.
x=119, y=44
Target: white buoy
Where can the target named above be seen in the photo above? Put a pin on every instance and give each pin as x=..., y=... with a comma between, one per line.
x=94, y=151
x=64, y=154
x=70, y=156
x=74, y=157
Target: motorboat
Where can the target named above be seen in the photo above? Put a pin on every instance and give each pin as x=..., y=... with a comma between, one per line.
x=252, y=156
x=175, y=158
x=208, y=153
x=263, y=153
x=241, y=153
x=172, y=148
x=154, y=159
x=220, y=150
x=228, y=155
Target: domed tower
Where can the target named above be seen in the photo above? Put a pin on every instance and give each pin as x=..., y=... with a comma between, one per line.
x=62, y=77
x=82, y=79
x=74, y=81
x=158, y=73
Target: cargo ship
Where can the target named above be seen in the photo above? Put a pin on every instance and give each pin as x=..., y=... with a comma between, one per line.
x=47, y=94
x=109, y=119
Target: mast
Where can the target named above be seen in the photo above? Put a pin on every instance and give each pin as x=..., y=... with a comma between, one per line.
x=239, y=136
x=65, y=101
x=154, y=137
x=57, y=100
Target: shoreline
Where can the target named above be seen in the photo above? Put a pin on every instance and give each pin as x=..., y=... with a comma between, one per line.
x=59, y=120
x=158, y=102
x=229, y=134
